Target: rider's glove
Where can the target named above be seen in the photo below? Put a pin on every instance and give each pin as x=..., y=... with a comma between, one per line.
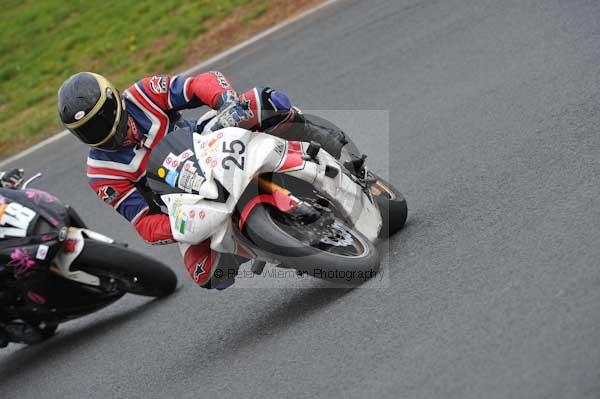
x=224, y=99
x=11, y=178
x=231, y=113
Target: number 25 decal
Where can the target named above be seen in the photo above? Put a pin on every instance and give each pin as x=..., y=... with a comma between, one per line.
x=239, y=162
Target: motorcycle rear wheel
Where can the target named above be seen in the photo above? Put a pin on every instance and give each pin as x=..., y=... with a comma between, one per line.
x=392, y=206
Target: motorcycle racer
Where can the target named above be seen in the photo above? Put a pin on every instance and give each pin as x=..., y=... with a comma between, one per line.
x=123, y=129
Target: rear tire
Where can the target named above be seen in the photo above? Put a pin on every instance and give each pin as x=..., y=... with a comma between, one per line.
x=392, y=206
x=132, y=272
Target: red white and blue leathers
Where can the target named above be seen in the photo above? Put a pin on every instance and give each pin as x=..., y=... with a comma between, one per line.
x=118, y=177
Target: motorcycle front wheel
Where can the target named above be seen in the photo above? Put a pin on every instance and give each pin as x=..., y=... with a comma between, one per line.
x=329, y=249
x=121, y=269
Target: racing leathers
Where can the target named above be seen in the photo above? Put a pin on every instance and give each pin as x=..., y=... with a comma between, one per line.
x=152, y=105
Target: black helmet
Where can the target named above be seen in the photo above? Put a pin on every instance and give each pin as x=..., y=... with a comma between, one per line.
x=91, y=108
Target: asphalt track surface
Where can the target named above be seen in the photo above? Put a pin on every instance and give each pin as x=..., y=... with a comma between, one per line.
x=494, y=285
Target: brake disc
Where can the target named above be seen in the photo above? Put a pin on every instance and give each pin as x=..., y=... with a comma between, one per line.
x=338, y=236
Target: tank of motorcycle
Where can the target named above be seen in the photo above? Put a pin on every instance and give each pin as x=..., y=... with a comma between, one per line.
x=33, y=227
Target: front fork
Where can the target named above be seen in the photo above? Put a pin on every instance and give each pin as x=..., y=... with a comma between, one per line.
x=287, y=202
x=283, y=200
x=76, y=240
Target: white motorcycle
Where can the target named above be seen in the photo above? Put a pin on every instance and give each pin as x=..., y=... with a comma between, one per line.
x=289, y=203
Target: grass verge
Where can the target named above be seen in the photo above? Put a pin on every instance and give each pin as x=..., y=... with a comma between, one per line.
x=44, y=42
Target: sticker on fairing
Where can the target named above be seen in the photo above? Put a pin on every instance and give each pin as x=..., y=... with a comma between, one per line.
x=181, y=226
x=189, y=181
x=189, y=166
x=17, y=217
x=12, y=232
x=197, y=182
x=186, y=154
x=171, y=178
x=172, y=161
x=42, y=252
x=279, y=148
x=180, y=218
x=185, y=180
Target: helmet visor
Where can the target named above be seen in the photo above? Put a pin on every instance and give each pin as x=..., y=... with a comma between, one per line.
x=117, y=139
x=102, y=124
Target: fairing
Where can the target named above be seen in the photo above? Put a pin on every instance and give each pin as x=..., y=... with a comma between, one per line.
x=44, y=244
x=228, y=160
x=32, y=244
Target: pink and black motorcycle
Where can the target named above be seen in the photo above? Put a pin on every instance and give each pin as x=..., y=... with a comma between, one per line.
x=53, y=268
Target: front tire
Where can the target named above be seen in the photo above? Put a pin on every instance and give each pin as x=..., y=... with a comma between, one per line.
x=126, y=270
x=264, y=227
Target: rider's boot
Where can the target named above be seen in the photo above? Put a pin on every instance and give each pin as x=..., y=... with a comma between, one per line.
x=208, y=268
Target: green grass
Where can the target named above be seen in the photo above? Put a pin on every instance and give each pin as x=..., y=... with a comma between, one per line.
x=43, y=42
